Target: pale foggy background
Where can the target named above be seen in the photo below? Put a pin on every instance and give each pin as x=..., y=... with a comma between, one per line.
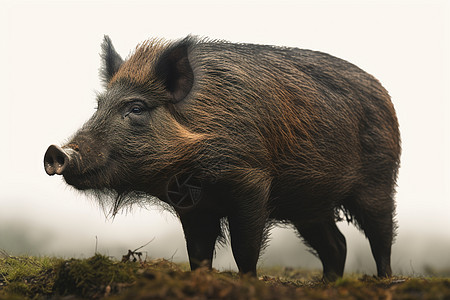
x=49, y=60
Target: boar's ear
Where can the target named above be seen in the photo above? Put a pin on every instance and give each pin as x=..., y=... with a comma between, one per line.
x=111, y=61
x=174, y=69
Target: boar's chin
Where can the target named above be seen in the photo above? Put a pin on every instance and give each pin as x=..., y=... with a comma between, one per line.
x=112, y=196
x=85, y=181
x=112, y=201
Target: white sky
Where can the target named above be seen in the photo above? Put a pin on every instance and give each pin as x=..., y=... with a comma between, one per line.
x=49, y=54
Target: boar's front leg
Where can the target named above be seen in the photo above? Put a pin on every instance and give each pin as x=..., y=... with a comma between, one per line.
x=248, y=219
x=201, y=229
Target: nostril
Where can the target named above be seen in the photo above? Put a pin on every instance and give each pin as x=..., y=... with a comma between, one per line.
x=60, y=159
x=49, y=160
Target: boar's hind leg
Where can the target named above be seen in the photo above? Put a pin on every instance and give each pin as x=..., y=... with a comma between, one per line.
x=329, y=244
x=201, y=230
x=247, y=222
x=374, y=212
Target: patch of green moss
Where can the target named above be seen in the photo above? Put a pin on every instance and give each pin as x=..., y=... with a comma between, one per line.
x=37, y=277
x=27, y=276
x=94, y=277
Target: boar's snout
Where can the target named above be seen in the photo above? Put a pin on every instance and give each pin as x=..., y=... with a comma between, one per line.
x=56, y=160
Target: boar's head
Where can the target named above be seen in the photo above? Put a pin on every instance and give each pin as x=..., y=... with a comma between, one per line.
x=135, y=141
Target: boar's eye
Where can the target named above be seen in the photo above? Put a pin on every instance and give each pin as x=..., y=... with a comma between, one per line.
x=137, y=110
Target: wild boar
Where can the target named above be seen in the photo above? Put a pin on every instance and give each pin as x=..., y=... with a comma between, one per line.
x=244, y=135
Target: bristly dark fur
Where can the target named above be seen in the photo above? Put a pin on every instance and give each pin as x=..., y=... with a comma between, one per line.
x=273, y=134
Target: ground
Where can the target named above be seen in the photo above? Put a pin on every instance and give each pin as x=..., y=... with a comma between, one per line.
x=101, y=277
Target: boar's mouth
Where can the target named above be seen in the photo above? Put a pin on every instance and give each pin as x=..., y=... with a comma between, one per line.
x=84, y=175
x=95, y=177
x=86, y=180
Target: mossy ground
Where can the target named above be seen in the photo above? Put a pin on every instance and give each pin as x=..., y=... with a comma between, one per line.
x=101, y=277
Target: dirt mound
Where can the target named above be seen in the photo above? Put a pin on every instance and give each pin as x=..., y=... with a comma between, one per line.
x=102, y=277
